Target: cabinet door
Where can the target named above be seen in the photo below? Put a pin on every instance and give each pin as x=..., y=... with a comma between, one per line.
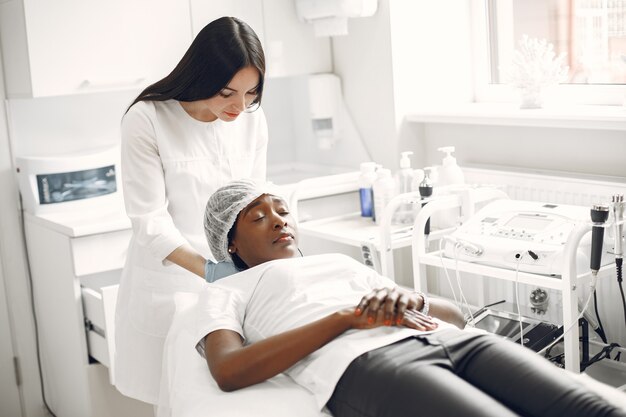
x=250, y=11
x=291, y=47
x=289, y=44
x=77, y=46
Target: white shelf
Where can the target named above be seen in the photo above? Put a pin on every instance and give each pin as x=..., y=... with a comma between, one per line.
x=545, y=281
x=352, y=229
x=83, y=223
x=506, y=114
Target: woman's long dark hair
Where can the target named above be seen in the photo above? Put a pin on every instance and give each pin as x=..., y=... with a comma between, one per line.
x=218, y=52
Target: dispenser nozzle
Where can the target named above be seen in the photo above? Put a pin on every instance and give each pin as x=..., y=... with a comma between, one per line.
x=405, y=162
x=446, y=149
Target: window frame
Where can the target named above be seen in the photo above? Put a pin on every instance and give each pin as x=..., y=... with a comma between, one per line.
x=485, y=91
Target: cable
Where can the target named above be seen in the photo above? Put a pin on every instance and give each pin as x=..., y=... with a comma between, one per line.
x=618, y=266
x=32, y=302
x=604, y=353
x=493, y=304
x=519, y=313
x=575, y=323
x=458, y=283
x=445, y=270
x=601, y=332
x=618, y=216
x=621, y=290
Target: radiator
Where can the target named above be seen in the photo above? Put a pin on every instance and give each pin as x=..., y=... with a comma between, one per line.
x=566, y=189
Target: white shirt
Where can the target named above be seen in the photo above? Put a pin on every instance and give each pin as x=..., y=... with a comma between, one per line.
x=280, y=295
x=171, y=164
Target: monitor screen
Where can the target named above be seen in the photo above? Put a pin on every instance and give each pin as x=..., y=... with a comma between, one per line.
x=77, y=185
x=529, y=222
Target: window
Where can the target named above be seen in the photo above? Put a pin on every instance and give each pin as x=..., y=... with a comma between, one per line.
x=592, y=34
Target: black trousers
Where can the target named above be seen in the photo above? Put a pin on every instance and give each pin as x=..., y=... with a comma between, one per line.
x=453, y=373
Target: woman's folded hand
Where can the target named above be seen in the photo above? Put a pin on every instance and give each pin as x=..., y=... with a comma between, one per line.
x=393, y=302
x=392, y=307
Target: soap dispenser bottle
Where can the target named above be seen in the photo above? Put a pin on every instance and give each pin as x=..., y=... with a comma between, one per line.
x=450, y=173
x=404, y=181
x=384, y=191
x=404, y=176
x=366, y=182
x=426, y=190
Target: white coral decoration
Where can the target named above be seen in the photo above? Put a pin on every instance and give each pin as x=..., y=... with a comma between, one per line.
x=535, y=65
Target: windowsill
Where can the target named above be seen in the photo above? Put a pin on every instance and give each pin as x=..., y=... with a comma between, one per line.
x=508, y=114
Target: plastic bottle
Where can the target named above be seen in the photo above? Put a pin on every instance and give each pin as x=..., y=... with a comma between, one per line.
x=450, y=173
x=418, y=177
x=384, y=190
x=366, y=182
x=426, y=190
x=404, y=181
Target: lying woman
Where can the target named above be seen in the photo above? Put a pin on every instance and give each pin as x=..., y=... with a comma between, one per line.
x=361, y=344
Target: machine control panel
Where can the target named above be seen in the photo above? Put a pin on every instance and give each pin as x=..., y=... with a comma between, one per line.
x=525, y=235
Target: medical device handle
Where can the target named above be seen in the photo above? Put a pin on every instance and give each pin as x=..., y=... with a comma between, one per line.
x=599, y=216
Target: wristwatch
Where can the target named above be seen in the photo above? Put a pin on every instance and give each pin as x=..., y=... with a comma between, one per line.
x=426, y=306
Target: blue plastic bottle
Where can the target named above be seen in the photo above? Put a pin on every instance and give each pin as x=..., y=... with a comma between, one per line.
x=366, y=194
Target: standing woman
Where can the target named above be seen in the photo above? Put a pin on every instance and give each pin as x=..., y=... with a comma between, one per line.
x=182, y=138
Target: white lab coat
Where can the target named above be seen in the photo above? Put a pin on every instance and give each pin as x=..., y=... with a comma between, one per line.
x=171, y=164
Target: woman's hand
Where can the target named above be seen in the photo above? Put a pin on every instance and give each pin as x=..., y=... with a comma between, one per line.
x=392, y=306
x=392, y=302
x=415, y=320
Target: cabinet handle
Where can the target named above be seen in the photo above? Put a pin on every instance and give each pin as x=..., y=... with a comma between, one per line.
x=93, y=83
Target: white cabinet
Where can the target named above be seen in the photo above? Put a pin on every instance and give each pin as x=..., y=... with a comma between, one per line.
x=290, y=45
x=82, y=46
x=250, y=11
x=75, y=276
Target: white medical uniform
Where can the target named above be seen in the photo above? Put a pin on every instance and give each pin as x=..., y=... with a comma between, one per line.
x=171, y=164
x=281, y=295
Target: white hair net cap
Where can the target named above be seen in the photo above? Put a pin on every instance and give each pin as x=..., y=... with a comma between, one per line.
x=223, y=208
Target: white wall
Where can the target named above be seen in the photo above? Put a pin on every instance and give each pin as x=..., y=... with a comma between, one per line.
x=14, y=267
x=363, y=61
x=62, y=124
x=386, y=64
x=592, y=152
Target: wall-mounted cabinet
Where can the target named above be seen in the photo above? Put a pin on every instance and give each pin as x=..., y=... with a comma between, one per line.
x=53, y=48
x=290, y=45
x=75, y=46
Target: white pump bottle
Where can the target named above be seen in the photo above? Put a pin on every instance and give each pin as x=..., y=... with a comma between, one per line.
x=450, y=173
x=384, y=190
x=404, y=181
x=404, y=176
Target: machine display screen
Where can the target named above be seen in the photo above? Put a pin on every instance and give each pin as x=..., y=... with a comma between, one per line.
x=77, y=185
x=529, y=222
